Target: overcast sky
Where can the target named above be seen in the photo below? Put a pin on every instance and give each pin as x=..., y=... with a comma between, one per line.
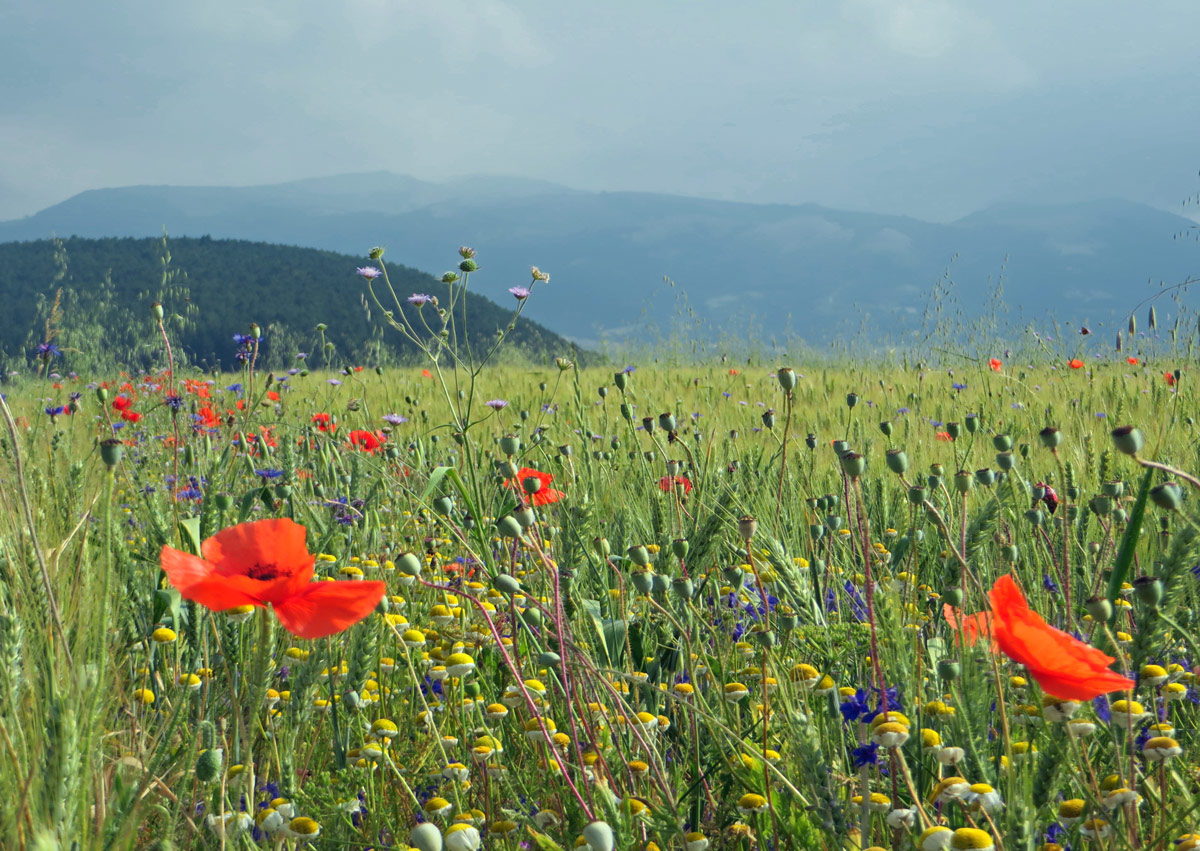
x=928, y=108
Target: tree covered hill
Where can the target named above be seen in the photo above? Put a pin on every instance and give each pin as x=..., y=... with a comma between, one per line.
x=94, y=298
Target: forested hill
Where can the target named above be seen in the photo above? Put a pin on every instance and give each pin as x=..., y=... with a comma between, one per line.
x=212, y=289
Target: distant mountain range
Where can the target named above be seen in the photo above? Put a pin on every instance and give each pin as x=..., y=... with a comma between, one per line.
x=768, y=269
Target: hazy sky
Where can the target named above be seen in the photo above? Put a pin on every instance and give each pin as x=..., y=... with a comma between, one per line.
x=928, y=108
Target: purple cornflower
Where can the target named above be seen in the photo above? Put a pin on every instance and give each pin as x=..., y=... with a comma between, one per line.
x=368, y=272
x=521, y=293
x=394, y=419
x=419, y=299
x=497, y=404
x=48, y=350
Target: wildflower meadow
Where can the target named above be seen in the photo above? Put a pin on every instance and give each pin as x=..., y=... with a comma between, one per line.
x=858, y=603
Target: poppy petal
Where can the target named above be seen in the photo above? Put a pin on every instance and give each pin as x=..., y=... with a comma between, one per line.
x=246, y=546
x=324, y=608
x=196, y=580
x=546, y=496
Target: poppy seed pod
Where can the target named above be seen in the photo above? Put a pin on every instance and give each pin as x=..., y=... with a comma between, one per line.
x=683, y=588
x=886, y=428
x=1002, y=442
x=639, y=555
x=603, y=547
x=409, y=564
x=811, y=441
x=851, y=400
x=1036, y=516
x=443, y=505
x=949, y=670
x=156, y=311
x=853, y=464
x=111, y=451
x=1050, y=436
x=917, y=495
x=1101, y=505
x=510, y=444
x=525, y=516
x=768, y=418
x=648, y=424
x=661, y=583
x=509, y=527
x=1128, y=440
x=787, y=378
x=953, y=596
x=972, y=423
x=841, y=447
x=817, y=531
x=897, y=461
x=985, y=477
x=602, y=391
x=1149, y=589
x=626, y=412
x=747, y=526
x=833, y=521
x=1114, y=488
x=507, y=584
x=666, y=421
x=643, y=581
x=954, y=430
x=1009, y=554
x=102, y=395
x=680, y=548
x=621, y=380
x=1167, y=496
x=1099, y=608
x=963, y=481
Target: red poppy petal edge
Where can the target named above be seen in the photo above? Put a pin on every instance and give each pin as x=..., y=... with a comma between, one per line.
x=324, y=608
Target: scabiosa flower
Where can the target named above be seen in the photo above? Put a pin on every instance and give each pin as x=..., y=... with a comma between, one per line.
x=419, y=299
x=394, y=419
x=497, y=404
x=367, y=272
x=520, y=293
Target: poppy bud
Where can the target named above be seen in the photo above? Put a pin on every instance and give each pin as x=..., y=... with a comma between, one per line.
x=787, y=378
x=1128, y=439
x=1120, y=516
x=1167, y=496
x=897, y=461
x=621, y=379
x=507, y=584
x=208, y=765
x=734, y=576
x=409, y=564
x=768, y=418
x=102, y=395
x=223, y=501
x=1050, y=437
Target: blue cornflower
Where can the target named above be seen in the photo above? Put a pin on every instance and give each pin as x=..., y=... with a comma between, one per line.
x=1049, y=584
x=48, y=350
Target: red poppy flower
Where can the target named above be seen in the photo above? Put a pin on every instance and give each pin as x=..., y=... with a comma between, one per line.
x=426, y=374
x=1075, y=363
x=996, y=364
x=324, y=422
x=367, y=441
x=969, y=627
x=943, y=436
x=1063, y=666
x=130, y=416
x=668, y=483
x=266, y=562
x=1169, y=377
x=1131, y=361
x=545, y=494
x=122, y=403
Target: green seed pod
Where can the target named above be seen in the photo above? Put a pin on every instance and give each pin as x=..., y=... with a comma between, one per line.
x=734, y=576
x=972, y=422
x=603, y=547
x=764, y=637
x=1120, y=516
x=443, y=505
x=532, y=616
x=786, y=377
x=954, y=430
x=525, y=516
x=886, y=428
x=531, y=485
x=985, y=477
x=953, y=596
x=949, y=670
x=509, y=527
x=853, y=464
x=1050, y=436
x=897, y=461
x=933, y=482
x=833, y=521
x=643, y=581
x=917, y=495
x=817, y=531
x=1099, y=608
x=1002, y=442
x=621, y=380
x=1128, y=440
x=851, y=400
x=549, y=659
x=768, y=418
x=506, y=584
x=626, y=412
x=1167, y=496
x=684, y=588
x=410, y=564
x=1036, y=516
x=1009, y=554
x=963, y=481
x=680, y=548
x=666, y=421
x=639, y=555
x=111, y=452
x=747, y=526
x=1114, y=489
x=1149, y=590
x=811, y=441
x=661, y=583
x=510, y=444
x=841, y=447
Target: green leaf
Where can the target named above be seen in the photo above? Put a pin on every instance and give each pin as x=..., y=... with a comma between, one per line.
x=189, y=532
x=1129, y=541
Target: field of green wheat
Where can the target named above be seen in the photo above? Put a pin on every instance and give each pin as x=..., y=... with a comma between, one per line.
x=785, y=605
